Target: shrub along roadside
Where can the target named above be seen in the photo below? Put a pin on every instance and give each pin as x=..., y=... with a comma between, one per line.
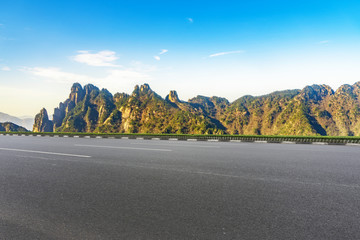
x=248, y=138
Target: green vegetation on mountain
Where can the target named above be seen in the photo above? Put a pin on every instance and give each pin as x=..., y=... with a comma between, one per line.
x=11, y=127
x=314, y=110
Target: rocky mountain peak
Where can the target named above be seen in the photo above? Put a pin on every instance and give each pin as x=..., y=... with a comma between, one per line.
x=357, y=84
x=316, y=92
x=76, y=93
x=119, y=96
x=356, y=88
x=136, y=91
x=173, y=97
x=344, y=89
x=106, y=93
x=42, y=122
x=145, y=88
x=76, y=87
x=89, y=88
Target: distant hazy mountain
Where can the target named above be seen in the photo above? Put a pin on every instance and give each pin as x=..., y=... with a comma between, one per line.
x=11, y=127
x=26, y=122
x=314, y=110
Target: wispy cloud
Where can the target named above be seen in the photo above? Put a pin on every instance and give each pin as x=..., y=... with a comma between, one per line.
x=113, y=78
x=225, y=53
x=100, y=59
x=163, y=51
x=57, y=74
x=5, y=68
x=324, y=42
x=190, y=20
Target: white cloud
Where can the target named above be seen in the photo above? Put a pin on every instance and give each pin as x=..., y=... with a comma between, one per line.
x=163, y=51
x=100, y=59
x=225, y=53
x=58, y=75
x=114, y=79
x=324, y=42
x=190, y=20
x=5, y=68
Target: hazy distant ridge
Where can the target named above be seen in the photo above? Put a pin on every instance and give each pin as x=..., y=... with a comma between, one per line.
x=25, y=122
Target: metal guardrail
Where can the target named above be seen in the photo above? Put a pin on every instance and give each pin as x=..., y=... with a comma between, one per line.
x=223, y=138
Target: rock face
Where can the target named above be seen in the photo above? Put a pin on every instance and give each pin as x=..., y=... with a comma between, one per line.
x=172, y=97
x=42, y=122
x=11, y=127
x=76, y=95
x=314, y=110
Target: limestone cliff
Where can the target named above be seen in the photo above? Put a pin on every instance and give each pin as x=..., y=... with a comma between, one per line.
x=42, y=122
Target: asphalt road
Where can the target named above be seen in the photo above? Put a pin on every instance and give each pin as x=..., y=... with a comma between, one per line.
x=76, y=188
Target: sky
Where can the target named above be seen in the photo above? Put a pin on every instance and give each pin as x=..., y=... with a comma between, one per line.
x=211, y=48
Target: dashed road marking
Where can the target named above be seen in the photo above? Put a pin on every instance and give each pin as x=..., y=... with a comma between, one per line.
x=41, y=152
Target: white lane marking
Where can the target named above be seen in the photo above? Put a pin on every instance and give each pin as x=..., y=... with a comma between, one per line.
x=131, y=148
x=353, y=144
x=288, y=142
x=50, y=153
x=320, y=143
x=177, y=145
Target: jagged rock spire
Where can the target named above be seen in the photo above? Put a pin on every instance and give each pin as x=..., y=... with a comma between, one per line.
x=42, y=122
x=173, y=97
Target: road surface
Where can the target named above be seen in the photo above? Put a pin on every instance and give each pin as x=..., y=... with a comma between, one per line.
x=78, y=188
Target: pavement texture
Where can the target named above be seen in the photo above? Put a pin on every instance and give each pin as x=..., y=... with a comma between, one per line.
x=78, y=188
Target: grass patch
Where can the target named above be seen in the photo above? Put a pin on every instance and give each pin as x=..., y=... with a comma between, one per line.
x=270, y=138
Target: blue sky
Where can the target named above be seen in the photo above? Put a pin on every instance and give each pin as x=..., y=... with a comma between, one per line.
x=223, y=48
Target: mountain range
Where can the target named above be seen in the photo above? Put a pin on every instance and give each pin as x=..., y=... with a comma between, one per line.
x=26, y=122
x=313, y=110
x=11, y=127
